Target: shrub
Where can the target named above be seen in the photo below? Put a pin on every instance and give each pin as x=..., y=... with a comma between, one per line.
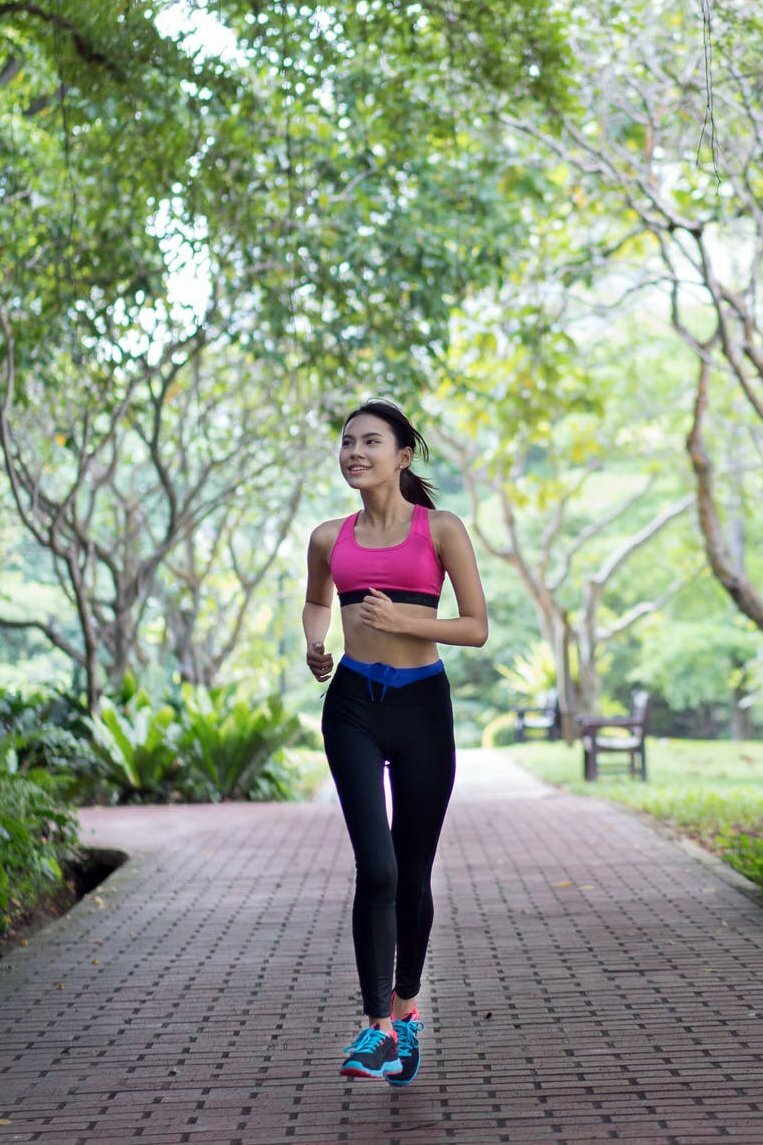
x=136, y=748
x=743, y=850
x=207, y=744
x=38, y=836
x=235, y=746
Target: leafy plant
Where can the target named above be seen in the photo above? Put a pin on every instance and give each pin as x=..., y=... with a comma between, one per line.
x=235, y=745
x=499, y=731
x=743, y=850
x=532, y=676
x=45, y=730
x=38, y=835
x=137, y=746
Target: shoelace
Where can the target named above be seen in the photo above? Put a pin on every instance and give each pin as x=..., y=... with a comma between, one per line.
x=367, y=1040
x=407, y=1037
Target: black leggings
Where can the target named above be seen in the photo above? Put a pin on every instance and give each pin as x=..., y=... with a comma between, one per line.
x=411, y=728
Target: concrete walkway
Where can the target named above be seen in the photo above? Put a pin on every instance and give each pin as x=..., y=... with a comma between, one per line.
x=588, y=980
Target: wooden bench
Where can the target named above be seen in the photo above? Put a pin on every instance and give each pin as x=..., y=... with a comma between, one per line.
x=545, y=720
x=614, y=735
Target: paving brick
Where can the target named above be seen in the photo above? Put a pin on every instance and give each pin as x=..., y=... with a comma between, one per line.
x=588, y=980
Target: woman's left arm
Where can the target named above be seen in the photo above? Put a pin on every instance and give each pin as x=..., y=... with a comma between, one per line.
x=457, y=557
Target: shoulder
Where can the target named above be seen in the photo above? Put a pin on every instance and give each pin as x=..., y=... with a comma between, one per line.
x=449, y=535
x=323, y=536
x=445, y=525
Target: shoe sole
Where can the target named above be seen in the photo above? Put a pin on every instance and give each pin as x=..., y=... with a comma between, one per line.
x=363, y=1071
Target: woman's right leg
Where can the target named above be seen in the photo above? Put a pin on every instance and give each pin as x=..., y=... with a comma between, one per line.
x=357, y=762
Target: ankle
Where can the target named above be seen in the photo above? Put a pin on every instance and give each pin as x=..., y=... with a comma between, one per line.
x=402, y=1007
x=384, y=1024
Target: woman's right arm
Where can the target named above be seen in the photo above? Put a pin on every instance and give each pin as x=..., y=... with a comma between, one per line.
x=316, y=615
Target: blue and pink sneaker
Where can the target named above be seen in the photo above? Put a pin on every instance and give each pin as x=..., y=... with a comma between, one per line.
x=373, y=1054
x=407, y=1030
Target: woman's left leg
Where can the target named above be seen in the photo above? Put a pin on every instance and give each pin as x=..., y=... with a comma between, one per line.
x=422, y=770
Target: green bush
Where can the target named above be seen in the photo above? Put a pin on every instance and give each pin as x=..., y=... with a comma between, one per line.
x=137, y=748
x=38, y=836
x=206, y=744
x=24, y=710
x=234, y=748
x=743, y=851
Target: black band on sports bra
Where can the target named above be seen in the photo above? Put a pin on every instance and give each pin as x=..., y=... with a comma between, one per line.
x=398, y=595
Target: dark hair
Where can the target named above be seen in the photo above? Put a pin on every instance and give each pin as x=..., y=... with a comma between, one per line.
x=414, y=488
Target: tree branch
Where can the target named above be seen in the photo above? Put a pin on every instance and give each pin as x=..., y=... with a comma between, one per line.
x=50, y=632
x=596, y=527
x=644, y=608
x=607, y=571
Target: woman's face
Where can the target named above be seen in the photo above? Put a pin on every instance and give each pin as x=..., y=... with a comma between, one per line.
x=369, y=454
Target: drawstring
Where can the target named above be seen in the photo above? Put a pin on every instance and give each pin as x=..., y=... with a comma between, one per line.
x=387, y=673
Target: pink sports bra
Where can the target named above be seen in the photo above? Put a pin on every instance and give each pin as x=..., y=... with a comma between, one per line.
x=409, y=573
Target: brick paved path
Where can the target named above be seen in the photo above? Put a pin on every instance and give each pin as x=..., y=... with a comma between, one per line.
x=588, y=981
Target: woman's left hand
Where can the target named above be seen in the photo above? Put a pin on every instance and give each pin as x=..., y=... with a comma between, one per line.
x=378, y=611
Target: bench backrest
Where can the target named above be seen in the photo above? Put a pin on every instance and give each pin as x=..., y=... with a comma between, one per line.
x=640, y=707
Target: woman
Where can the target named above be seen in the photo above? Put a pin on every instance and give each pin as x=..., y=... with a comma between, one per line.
x=389, y=701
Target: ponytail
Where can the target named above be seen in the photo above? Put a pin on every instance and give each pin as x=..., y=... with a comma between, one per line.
x=414, y=488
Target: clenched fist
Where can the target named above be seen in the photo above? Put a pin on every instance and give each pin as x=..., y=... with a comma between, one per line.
x=319, y=661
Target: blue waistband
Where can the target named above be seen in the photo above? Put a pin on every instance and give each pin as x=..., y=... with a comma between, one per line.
x=388, y=676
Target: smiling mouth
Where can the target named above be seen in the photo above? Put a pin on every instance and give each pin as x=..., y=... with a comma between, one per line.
x=358, y=468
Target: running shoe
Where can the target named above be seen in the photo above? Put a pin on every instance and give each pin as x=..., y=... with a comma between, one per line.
x=407, y=1030
x=372, y=1054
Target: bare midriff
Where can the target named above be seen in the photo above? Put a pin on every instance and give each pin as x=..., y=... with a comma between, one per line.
x=371, y=646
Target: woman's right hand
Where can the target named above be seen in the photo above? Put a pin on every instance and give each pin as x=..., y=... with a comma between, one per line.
x=319, y=661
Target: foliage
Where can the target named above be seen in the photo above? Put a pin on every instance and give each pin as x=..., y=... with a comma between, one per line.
x=499, y=730
x=709, y=790
x=551, y=380
x=531, y=676
x=313, y=198
x=45, y=732
x=198, y=744
x=743, y=850
x=310, y=769
x=38, y=836
x=572, y=485
x=693, y=662
x=137, y=747
x=95, y=125
x=662, y=168
x=27, y=711
x=237, y=746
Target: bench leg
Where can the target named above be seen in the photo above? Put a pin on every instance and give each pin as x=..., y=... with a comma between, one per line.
x=589, y=764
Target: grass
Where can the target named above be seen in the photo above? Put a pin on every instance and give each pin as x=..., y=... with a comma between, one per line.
x=710, y=790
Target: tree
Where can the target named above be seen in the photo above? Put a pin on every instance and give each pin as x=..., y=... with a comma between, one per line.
x=158, y=481
x=663, y=161
x=576, y=505
x=307, y=184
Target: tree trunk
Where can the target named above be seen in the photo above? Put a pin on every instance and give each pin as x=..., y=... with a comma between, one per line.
x=740, y=722
x=739, y=588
